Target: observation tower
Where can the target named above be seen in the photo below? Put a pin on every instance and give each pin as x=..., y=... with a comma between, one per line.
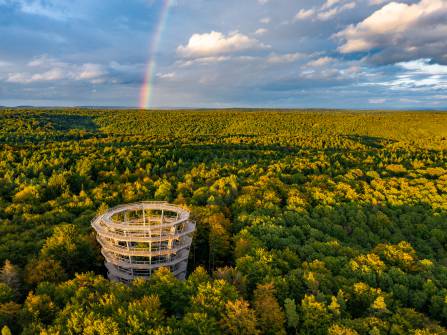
x=138, y=238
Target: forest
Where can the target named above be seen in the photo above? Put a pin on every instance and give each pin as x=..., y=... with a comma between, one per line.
x=308, y=221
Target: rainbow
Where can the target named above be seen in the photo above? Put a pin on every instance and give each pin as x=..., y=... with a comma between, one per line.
x=148, y=83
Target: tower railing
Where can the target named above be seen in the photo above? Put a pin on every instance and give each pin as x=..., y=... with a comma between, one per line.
x=140, y=237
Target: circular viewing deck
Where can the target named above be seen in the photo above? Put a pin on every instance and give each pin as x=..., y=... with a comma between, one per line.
x=138, y=238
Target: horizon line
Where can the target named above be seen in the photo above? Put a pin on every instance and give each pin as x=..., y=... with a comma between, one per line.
x=441, y=109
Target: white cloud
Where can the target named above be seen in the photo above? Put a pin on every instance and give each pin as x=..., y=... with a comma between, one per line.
x=211, y=60
x=17, y=78
x=419, y=75
x=169, y=75
x=265, y=20
x=324, y=16
x=402, y=31
x=377, y=2
x=330, y=3
x=329, y=10
x=203, y=61
x=329, y=14
x=89, y=71
x=44, y=68
x=23, y=78
x=285, y=58
x=45, y=61
x=408, y=100
x=322, y=61
x=216, y=43
x=378, y=101
x=423, y=66
x=261, y=31
x=410, y=82
x=133, y=68
x=46, y=8
x=305, y=14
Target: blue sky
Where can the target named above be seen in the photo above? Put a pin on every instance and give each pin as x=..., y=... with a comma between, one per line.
x=374, y=54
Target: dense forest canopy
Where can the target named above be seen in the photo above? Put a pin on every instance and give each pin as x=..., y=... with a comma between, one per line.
x=308, y=222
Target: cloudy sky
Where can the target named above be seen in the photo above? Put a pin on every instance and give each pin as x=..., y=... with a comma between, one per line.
x=213, y=53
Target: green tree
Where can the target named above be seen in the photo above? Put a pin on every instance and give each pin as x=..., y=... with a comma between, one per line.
x=6, y=330
x=195, y=323
x=9, y=314
x=39, y=308
x=29, y=194
x=164, y=191
x=219, y=239
x=69, y=247
x=44, y=269
x=143, y=314
x=270, y=316
x=232, y=276
x=341, y=330
x=238, y=318
x=212, y=296
x=315, y=316
x=291, y=314
x=6, y=293
x=9, y=274
x=57, y=184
